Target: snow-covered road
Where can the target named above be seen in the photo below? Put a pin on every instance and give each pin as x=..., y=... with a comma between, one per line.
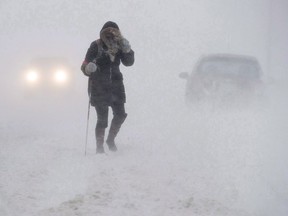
x=198, y=164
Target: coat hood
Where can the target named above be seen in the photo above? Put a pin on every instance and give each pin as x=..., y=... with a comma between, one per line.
x=110, y=28
x=110, y=24
x=111, y=35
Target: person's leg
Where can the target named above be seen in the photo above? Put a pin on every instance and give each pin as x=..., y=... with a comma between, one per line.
x=102, y=123
x=119, y=116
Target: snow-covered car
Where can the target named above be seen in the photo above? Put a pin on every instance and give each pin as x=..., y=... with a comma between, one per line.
x=224, y=78
x=47, y=77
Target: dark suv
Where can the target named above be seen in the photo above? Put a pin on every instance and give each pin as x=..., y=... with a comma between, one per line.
x=224, y=78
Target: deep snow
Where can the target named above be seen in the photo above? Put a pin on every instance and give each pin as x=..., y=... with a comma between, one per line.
x=202, y=162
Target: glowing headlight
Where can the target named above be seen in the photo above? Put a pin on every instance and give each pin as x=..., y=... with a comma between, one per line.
x=61, y=76
x=32, y=76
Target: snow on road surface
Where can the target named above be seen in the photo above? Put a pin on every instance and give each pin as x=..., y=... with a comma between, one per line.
x=192, y=163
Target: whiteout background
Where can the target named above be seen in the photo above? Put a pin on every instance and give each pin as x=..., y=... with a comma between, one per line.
x=172, y=160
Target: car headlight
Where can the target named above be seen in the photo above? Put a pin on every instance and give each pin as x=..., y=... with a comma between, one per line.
x=61, y=76
x=32, y=76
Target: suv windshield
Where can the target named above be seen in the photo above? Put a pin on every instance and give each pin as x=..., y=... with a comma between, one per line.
x=229, y=67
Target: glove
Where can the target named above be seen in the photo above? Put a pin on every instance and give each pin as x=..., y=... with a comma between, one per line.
x=124, y=45
x=90, y=68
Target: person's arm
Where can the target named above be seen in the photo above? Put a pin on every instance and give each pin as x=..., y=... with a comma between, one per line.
x=127, y=59
x=90, y=56
x=127, y=54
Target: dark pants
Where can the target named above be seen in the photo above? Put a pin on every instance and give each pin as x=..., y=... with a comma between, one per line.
x=119, y=115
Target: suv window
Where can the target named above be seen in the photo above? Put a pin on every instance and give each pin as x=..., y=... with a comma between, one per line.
x=229, y=67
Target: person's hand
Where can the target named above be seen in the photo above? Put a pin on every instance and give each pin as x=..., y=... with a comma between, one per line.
x=90, y=68
x=124, y=45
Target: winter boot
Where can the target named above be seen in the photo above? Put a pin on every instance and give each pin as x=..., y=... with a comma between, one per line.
x=114, y=129
x=111, y=145
x=100, y=133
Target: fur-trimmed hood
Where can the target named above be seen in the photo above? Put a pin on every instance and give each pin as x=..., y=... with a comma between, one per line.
x=111, y=35
x=110, y=24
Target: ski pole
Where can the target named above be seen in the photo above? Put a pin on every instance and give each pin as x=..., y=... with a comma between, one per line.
x=87, y=125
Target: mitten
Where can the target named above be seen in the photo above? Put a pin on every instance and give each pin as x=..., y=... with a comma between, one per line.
x=124, y=45
x=90, y=68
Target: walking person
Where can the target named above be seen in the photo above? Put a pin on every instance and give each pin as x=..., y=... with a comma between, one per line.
x=106, y=87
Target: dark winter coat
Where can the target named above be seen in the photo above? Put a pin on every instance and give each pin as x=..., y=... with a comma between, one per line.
x=106, y=84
